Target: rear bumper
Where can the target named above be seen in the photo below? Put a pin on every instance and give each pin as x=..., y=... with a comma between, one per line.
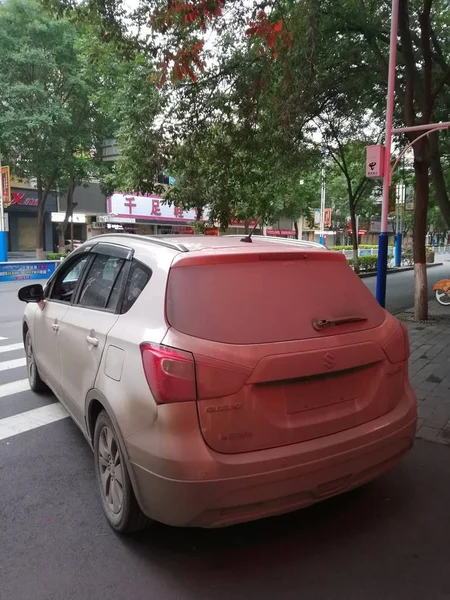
x=263, y=487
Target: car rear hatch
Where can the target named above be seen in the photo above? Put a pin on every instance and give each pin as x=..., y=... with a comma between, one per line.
x=287, y=346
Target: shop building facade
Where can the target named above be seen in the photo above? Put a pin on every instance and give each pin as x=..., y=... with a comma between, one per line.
x=143, y=215
x=21, y=220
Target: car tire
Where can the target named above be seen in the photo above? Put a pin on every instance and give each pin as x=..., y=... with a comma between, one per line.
x=116, y=492
x=34, y=379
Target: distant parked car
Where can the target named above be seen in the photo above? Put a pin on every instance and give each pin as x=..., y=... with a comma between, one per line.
x=220, y=381
x=76, y=244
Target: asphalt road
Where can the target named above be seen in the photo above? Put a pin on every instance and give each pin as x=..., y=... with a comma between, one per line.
x=400, y=286
x=387, y=540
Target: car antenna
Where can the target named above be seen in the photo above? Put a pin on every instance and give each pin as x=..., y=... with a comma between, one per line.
x=248, y=237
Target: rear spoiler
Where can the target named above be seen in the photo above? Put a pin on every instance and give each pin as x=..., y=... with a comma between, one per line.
x=237, y=256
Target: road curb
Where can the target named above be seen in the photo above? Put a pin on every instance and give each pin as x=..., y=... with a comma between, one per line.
x=398, y=270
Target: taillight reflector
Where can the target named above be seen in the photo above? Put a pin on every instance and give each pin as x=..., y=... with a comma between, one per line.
x=170, y=373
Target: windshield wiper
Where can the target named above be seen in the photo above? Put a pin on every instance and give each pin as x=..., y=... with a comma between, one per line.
x=325, y=323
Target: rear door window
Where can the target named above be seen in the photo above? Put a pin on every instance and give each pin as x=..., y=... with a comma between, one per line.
x=100, y=280
x=137, y=280
x=267, y=301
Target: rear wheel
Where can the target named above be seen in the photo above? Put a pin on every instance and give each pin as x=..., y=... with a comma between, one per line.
x=118, y=500
x=442, y=298
x=34, y=379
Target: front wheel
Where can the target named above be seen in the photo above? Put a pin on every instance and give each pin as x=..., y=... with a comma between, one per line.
x=116, y=492
x=442, y=298
x=34, y=379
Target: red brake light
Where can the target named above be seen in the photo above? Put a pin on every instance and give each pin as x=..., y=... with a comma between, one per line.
x=170, y=373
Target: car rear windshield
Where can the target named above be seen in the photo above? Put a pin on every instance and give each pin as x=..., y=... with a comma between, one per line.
x=268, y=301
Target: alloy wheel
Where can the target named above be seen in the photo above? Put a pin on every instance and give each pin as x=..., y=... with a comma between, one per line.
x=31, y=364
x=111, y=470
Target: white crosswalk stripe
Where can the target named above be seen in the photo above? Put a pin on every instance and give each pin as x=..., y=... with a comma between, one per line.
x=14, y=424
x=15, y=387
x=12, y=364
x=11, y=348
x=31, y=419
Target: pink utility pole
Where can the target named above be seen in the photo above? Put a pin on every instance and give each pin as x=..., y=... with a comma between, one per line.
x=384, y=233
x=387, y=175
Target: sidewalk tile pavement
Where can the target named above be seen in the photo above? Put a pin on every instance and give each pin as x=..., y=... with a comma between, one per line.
x=429, y=371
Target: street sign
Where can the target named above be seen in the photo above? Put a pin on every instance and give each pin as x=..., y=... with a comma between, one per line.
x=317, y=216
x=375, y=161
x=6, y=186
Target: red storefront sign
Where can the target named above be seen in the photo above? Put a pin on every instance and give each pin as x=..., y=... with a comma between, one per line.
x=212, y=231
x=281, y=232
x=235, y=223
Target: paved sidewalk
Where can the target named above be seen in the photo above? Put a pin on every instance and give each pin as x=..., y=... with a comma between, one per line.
x=430, y=372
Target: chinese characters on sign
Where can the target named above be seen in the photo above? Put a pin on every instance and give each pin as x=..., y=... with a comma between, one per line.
x=149, y=208
x=6, y=186
x=375, y=161
x=26, y=271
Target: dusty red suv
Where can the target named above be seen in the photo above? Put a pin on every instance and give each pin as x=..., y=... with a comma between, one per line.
x=221, y=381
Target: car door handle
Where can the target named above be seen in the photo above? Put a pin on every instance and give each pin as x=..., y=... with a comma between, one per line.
x=92, y=340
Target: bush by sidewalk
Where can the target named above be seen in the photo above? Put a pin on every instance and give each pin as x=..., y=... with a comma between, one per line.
x=366, y=263
x=55, y=256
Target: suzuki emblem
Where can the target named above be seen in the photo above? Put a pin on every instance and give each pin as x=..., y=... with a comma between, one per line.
x=329, y=360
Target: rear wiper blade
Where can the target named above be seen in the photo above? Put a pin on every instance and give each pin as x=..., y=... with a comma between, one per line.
x=325, y=323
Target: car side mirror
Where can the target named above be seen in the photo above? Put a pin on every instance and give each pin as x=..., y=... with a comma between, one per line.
x=31, y=293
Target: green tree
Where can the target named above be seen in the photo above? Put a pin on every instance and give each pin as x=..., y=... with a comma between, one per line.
x=40, y=83
x=238, y=174
x=124, y=95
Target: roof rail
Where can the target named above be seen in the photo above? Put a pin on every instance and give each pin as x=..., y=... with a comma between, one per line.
x=148, y=238
x=281, y=240
x=167, y=244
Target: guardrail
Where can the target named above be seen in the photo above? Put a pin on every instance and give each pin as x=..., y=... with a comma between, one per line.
x=366, y=252
x=27, y=270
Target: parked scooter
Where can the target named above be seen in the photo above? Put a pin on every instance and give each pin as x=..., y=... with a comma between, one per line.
x=442, y=291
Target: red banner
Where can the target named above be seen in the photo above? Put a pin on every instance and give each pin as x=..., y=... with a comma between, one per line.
x=6, y=186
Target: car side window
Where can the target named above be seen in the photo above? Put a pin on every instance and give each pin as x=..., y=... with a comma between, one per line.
x=66, y=281
x=99, y=282
x=138, y=278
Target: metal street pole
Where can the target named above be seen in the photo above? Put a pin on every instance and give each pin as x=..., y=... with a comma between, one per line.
x=322, y=198
x=2, y=210
x=3, y=233
x=384, y=235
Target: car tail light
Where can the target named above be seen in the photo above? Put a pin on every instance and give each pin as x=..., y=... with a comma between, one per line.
x=170, y=373
x=397, y=348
